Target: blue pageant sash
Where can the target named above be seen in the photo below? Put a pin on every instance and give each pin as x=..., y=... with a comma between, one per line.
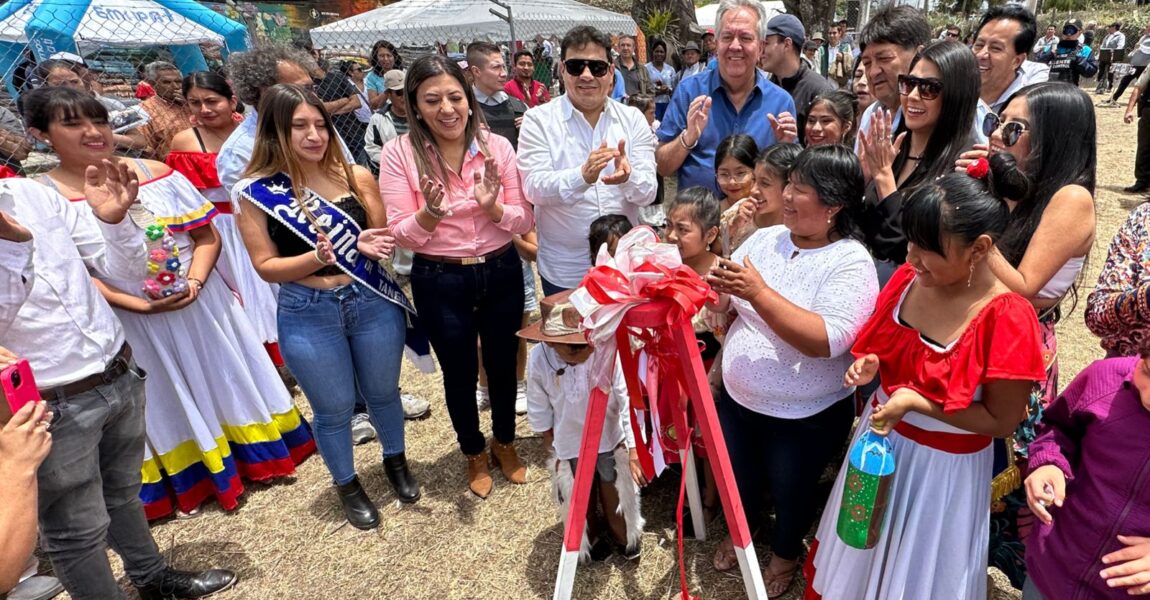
x=274, y=196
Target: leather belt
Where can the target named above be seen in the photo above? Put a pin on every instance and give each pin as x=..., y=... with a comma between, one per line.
x=117, y=367
x=466, y=260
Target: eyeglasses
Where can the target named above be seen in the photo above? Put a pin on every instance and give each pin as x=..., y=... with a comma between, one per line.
x=575, y=66
x=1011, y=130
x=929, y=88
x=737, y=177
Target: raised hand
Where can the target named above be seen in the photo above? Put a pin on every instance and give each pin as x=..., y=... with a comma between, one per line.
x=697, y=114
x=785, y=128
x=971, y=156
x=11, y=230
x=878, y=149
x=110, y=190
x=376, y=244
x=1046, y=486
x=622, y=167
x=433, y=193
x=862, y=371
x=596, y=161
x=742, y=281
x=487, y=185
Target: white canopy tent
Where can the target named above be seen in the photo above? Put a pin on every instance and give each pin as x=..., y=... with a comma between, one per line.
x=426, y=22
x=705, y=15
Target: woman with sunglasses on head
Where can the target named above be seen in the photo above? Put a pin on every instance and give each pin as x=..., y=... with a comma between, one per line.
x=939, y=100
x=956, y=353
x=1046, y=135
x=453, y=196
x=194, y=150
x=314, y=224
x=217, y=411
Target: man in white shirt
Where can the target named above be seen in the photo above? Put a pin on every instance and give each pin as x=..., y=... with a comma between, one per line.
x=1047, y=42
x=581, y=157
x=1001, y=42
x=52, y=315
x=1114, y=41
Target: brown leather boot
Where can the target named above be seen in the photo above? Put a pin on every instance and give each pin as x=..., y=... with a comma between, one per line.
x=478, y=475
x=504, y=457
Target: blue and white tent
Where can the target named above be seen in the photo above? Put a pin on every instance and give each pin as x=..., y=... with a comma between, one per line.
x=84, y=26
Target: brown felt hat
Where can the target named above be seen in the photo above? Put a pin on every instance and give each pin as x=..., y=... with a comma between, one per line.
x=559, y=323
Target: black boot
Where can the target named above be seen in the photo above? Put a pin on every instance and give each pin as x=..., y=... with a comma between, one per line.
x=402, y=481
x=357, y=507
x=173, y=584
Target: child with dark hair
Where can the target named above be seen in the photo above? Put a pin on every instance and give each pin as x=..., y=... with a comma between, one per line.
x=607, y=230
x=957, y=353
x=559, y=384
x=766, y=206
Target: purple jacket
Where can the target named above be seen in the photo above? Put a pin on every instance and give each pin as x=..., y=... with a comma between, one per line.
x=1098, y=433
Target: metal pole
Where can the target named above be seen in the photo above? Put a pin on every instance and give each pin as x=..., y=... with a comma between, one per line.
x=510, y=20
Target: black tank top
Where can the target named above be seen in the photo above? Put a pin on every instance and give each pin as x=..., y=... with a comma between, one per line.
x=290, y=244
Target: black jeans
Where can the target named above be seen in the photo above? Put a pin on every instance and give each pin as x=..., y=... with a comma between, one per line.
x=789, y=455
x=460, y=305
x=1127, y=80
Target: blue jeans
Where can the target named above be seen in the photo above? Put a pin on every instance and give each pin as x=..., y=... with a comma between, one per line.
x=339, y=343
x=460, y=305
x=90, y=489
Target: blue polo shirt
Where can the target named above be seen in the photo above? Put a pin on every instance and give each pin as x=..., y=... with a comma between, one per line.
x=699, y=166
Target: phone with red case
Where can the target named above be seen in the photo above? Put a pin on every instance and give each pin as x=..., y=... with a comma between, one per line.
x=19, y=388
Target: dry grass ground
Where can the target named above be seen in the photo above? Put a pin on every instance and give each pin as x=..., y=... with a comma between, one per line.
x=288, y=540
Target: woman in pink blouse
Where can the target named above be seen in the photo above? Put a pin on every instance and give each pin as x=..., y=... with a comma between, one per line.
x=453, y=197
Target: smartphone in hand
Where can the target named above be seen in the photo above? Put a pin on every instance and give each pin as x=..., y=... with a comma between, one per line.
x=19, y=386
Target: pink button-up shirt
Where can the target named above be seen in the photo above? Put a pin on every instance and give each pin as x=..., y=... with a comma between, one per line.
x=467, y=231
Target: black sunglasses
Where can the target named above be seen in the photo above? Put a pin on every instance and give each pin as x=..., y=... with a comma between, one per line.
x=1011, y=131
x=928, y=87
x=575, y=66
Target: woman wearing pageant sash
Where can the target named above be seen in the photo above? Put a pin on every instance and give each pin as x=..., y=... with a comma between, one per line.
x=453, y=196
x=341, y=318
x=217, y=411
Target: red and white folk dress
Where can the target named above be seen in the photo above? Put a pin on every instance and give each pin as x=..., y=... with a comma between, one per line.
x=933, y=544
x=235, y=265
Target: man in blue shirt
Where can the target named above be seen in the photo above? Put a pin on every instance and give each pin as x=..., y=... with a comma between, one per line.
x=734, y=98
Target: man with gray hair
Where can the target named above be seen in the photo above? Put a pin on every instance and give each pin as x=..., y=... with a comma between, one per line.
x=251, y=73
x=734, y=98
x=167, y=109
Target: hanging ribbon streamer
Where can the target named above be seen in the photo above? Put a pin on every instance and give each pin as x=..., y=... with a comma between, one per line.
x=641, y=271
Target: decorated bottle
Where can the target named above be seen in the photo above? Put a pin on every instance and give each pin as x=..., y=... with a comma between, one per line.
x=167, y=275
x=870, y=471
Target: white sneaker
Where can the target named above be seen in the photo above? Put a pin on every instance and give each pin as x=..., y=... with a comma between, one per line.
x=414, y=407
x=482, y=398
x=362, y=431
x=521, y=398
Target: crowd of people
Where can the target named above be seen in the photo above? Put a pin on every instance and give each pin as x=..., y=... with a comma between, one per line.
x=893, y=223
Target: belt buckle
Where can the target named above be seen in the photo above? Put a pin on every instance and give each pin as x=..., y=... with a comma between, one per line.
x=473, y=260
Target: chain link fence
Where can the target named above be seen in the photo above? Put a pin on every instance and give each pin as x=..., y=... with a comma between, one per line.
x=104, y=46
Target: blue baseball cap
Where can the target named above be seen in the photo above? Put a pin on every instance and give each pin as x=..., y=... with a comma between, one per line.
x=788, y=26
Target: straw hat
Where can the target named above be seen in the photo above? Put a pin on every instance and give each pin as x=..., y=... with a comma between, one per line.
x=559, y=322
